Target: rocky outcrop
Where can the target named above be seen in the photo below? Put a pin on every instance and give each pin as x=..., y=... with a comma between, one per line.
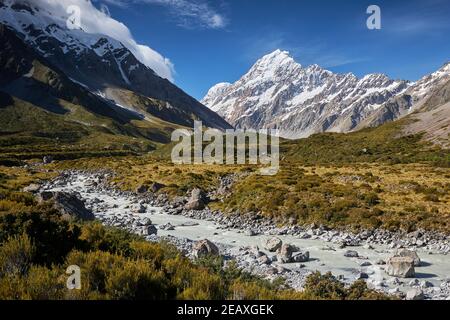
x=402, y=267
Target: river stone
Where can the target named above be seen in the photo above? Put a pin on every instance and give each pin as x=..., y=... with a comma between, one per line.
x=300, y=257
x=285, y=253
x=402, y=267
x=351, y=254
x=272, y=244
x=415, y=294
x=250, y=232
x=146, y=221
x=168, y=227
x=264, y=259
x=138, y=208
x=408, y=253
x=204, y=248
x=150, y=230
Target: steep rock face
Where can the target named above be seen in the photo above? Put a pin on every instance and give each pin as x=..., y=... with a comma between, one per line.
x=100, y=63
x=423, y=95
x=277, y=92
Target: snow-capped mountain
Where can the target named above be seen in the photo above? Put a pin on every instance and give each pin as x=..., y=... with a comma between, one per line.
x=414, y=98
x=277, y=92
x=100, y=63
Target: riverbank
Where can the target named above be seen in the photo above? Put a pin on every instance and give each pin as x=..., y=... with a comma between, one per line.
x=240, y=238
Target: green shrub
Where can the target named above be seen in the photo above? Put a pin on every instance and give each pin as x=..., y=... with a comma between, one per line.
x=52, y=237
x=16, y=255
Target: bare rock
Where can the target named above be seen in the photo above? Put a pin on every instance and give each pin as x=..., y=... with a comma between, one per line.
x=272, y=244
x=402, y=267
x=408, y=253
x=285, y=253
x=351, y=254
x=68, y=204
x=415, y=294
x=197, y=201
x=204, y=248
x=300, y=257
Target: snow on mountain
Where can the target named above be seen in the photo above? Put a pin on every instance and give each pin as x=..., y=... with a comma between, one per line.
x=423, y=87
x=109, y=63
x=278, y=92
x=22, y=15
x=416, y=96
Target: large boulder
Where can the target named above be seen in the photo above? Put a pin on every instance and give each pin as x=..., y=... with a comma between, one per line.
x=272, y=244
x=204, y=248
x=402, y=267
x=68, y=204
x=408, y=253
x=197, y=201
x=284, y=254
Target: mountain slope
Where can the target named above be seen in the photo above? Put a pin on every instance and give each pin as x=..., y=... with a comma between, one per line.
x=41, y=109
x=300, y=101
x=432, y=119
x=418, y=94
x=101, y=64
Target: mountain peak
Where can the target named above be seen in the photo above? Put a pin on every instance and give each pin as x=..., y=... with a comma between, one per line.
x=277, y=57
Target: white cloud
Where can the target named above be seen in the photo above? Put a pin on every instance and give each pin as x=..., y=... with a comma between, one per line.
x=95, y=21
x=187, y=13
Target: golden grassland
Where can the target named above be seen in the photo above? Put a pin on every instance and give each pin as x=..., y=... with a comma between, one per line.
x=355, y=195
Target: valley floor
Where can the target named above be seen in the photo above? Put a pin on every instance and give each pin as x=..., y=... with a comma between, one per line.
x=117, y=208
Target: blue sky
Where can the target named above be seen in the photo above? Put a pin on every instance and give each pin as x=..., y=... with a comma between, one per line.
x=216, y=41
